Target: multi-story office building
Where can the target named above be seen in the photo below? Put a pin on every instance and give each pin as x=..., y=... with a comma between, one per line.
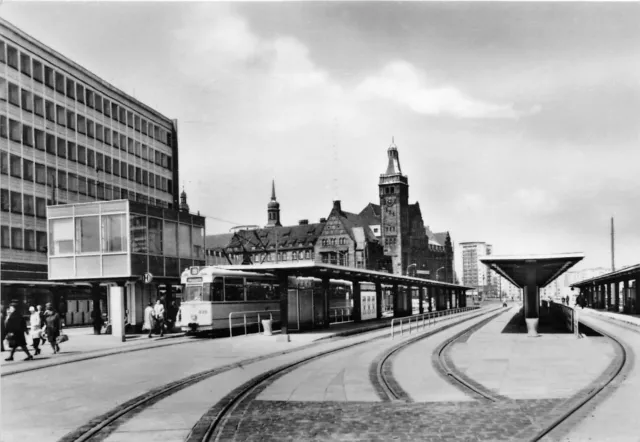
x=67, y=136
x=475, y=273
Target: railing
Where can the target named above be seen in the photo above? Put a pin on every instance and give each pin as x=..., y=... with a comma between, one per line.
x=257, y=313
x=570, y=317
x=340, y=312
x=426, y=319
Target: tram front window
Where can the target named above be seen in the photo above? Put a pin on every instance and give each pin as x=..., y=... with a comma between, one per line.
x=193, y=293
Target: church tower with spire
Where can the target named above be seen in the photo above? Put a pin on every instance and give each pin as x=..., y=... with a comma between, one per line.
x=394, y=211
x=184, y=207
x=273, y=208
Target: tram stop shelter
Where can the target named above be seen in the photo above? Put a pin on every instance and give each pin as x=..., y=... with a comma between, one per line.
x=531, y=273
x=604, y=291
x=403, y=288
x=132, y=248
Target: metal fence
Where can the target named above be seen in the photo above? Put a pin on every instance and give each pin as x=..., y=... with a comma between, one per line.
x=424, y=320
x=250, y=318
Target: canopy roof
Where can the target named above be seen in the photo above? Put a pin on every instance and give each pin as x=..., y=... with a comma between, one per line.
x=547, y=267
x=629, y=272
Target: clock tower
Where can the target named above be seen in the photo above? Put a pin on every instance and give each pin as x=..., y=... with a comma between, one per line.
x=394, y=210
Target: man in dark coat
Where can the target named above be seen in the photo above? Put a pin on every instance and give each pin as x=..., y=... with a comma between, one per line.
x=53, y=327
x=16, y=328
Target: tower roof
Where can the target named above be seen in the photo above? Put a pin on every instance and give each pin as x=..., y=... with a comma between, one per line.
x=394, y=160
x=273, y=204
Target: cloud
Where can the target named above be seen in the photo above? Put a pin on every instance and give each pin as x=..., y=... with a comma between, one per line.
x=401, y=82
x=534, y=200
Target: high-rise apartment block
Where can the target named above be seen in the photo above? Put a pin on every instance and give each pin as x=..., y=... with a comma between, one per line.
x=475, y=273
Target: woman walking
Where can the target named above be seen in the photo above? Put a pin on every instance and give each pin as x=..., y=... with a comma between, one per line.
x=35, y=321
x=53, y=326
x=16, y=328
x=149, y=319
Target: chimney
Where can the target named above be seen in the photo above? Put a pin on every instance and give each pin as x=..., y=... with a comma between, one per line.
x=336, y=205
x=303, y=222
x=323, y=220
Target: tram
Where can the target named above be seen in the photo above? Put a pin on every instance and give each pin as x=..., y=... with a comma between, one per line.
x=211, y=294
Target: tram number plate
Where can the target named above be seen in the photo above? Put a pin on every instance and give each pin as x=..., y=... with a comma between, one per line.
x=202, y=312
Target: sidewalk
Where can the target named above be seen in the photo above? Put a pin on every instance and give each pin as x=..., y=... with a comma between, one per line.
x=622, y=317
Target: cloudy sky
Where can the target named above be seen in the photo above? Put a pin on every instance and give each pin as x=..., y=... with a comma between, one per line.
x=517, y=124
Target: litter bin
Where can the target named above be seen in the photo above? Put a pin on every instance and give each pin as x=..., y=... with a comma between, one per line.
x=266, y=325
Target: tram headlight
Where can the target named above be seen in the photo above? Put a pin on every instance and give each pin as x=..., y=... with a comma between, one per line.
x=194, y=317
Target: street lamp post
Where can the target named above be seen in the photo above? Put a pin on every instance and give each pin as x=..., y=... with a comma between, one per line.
x=414, y=265
x=437, y=272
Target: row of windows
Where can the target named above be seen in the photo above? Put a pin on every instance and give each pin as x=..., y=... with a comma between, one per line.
x=332, y=241
x=338, y=258
x=25, y=204
x=64, y=85
x=23, y=239
x=390, y=240
x=76, y=122
x=32, y=171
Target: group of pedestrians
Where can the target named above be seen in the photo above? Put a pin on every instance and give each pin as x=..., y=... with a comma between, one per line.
x=45, y=325
x=156, y=316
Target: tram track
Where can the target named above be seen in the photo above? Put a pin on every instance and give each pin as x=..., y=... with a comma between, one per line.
x=213, y=425
x=381, y=372
x=593, y=393
x=101, y=427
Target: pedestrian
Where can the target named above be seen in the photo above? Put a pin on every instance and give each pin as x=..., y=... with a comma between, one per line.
x=35, y=322
x=16, y=328
x=96, y=316
x=172, y=312
x=148, y=319
x=159, y=316
x=53, y=327
x=2, y=330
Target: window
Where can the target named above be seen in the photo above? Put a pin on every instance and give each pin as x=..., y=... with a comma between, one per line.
x=29, y=240
x=41, y=241
x=71, y=151
x=137, y=122
x=158, y=160
x=152, y=180
x=152, y=155
x=90, y=129
x=122, y=115
x=197, y=236
x=41, y=174
x=27, y=100
x=106, y=107
x=61, y=236
x=114, y=111
x=82, y=155
x=6, y=201
x=48, y=77
x=130, y=119
x=37, y=71
x=50, y=110
x=132, y=172
x=41, y=208
x=27, y=135
x=98, y=102
x=99, y=132
x=27, y=170
x=62, y=179
x=169, y=238
x=25, y=64
x=71, y=120
x=131, y=148
x=12, y=56
x=62, y=115
x=87, y=234
x=123, y=169
x=38, y=105
x=3, y=59
x=91, y=159
x=116, y=167
x=16, y=202
x=62, y=148
x=233, y=289
x=6, y=239
x=16, y=238
x=107, y=164
x=3, y=126
x=155, y=236
x=144, y=127
x=73, y=182
x=28, y=205
x=89, y=97
x=107, y=135
x=123, y=142
x=169, y=164
x=80, y=92
x=138, y=149
x=14, y=94
x=138, y=175
x=71, y=88
x=145, y=178
x=82, y=185
x=138, y=230
x=59, y=82
x=184, y=240
x=91, y=187
x=51, y=177
x=116, y=139
x=4, y=163
x=115, y=234
x=15, y=166
x=99, y=161
x=51, y=144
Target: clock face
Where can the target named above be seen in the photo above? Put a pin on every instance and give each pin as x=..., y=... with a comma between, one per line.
x=390, y=201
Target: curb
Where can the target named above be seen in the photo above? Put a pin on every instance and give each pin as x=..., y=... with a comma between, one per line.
x=614, y=318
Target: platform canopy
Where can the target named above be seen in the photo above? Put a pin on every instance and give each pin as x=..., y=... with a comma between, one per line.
x=516, y=268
